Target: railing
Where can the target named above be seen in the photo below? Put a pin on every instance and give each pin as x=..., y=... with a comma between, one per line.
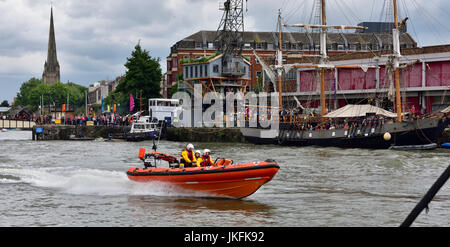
x=16, y=124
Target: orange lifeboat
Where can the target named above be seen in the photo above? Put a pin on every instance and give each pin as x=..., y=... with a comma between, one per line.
x=223, y=179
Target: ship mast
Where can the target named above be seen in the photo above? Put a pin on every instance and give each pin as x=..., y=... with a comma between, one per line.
x=323, y=64
x=323, y=57
x=396, y=60
x=280, y=63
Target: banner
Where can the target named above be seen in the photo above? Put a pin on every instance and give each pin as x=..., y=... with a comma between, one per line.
x=102, y=104
x=63, y=108
x=114, y=108
x=131, y=102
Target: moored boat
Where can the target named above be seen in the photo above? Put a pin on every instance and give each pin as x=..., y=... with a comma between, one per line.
x=141, y=130
x=351, y=126
x=374, y=136
x=223, y=179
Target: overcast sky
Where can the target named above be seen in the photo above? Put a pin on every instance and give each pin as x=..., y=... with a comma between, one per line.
x=94, y=38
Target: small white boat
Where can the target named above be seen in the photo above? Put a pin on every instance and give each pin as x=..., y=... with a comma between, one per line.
x=143, y=129
x=144, y=125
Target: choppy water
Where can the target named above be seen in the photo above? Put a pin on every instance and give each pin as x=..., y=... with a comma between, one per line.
x=62, y=183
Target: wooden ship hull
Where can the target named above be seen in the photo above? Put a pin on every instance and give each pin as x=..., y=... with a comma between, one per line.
x=412, y=133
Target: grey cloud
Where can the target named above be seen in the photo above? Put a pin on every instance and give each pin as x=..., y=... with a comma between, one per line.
x=94, y=38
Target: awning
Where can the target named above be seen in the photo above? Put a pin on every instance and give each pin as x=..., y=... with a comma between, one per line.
x=349, y=111
x=446, y=110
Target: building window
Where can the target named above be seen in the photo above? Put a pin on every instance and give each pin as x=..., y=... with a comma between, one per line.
x=284, y=46
x=192, y=72
x=293, y=46
x=175, y=62
x=247, y=46
x=186, y=75
x=201, y=71
x=340, y=47
x=375, y=47
x=363, y=47
x=186, y=57
x=198, y=45
x=210, y=45
x=352, y=47
x=259, y=46
x=269, y=46
x=196, y=72
x=206, y=70
x=305, y=47
x=216, y=68
x=291, y=75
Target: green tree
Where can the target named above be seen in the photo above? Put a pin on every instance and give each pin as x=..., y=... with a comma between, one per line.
x=59, y=93
x=23, y=96
x=143, y=73
x=4, y=103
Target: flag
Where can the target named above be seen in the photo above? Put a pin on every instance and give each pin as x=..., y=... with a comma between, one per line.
x=131, y=102
x=102, y=105
x=63, y=108
x=335, y=88
x=114, y=108
x=108, y=109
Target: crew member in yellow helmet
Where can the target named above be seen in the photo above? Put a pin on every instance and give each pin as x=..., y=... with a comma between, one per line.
x=205, y=160
x=187, y=157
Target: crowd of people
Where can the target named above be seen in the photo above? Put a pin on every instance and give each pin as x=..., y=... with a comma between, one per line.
x=99, y=120
x=351, y=123
x=19, y=117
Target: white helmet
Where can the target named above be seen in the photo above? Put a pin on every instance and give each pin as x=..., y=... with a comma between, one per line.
x=198, y=152
x=190, y=146
x=206, y=151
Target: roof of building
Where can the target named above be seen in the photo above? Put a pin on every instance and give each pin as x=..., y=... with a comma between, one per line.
x=203, y=37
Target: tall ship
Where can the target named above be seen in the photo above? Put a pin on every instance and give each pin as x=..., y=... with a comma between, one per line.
x=354, y=125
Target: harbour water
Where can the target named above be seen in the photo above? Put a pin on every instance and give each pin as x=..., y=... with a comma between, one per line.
x=83, y=183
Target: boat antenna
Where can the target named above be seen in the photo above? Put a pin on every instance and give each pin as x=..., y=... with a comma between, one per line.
x=159, y=136
x=154, y=144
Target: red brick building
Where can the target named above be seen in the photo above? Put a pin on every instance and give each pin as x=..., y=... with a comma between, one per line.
x=425, y=80
x=203, y=44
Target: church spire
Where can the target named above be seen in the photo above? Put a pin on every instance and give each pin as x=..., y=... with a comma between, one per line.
x=51, y=67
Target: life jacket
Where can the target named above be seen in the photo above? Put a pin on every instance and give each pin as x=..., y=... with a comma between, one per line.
x=189, y=154
x=206, y=161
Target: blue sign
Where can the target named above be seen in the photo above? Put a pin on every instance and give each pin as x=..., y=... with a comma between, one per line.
x=38, y=130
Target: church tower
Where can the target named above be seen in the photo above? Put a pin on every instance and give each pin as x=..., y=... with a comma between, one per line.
x=51, y=67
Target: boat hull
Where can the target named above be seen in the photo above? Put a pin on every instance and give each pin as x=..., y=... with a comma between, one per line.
x=419, y=132
x=231, y=181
